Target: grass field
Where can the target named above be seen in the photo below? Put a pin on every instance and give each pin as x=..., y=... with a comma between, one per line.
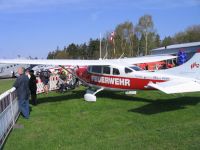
x=6, y=84
x=148, y=120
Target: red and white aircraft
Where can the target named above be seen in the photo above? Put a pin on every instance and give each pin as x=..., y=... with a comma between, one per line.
x=122, y=75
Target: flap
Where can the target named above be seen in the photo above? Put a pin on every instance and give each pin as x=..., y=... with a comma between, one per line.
x=178, y=86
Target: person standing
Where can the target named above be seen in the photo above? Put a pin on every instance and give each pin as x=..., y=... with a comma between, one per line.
x=23, y=93
x=33, y=87
x=44, y=76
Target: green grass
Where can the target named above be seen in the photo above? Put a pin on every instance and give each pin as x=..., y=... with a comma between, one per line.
x=148, y=120
x=5, y=84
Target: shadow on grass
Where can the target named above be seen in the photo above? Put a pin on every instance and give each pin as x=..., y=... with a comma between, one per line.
x=155, y=106
x=152, y=107
x=122, y=97
x=159, y=106
x=62, y=97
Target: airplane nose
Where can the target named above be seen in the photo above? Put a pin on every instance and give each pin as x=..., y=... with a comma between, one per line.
x=80, y=72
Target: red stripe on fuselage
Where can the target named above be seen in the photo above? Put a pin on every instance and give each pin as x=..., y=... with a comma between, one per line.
x=198, y=51
x=116, y=82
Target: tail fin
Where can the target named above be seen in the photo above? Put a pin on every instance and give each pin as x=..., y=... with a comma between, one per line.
x=189, y=69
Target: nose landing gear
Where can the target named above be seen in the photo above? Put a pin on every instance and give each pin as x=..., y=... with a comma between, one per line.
x=90, y=95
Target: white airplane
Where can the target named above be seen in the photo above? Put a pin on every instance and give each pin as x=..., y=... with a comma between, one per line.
x=10, y=70
x=121, y=75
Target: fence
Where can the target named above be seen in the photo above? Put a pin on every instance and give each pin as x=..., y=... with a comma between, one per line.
x=9, y=109
x=9, y=112
x=52, y=84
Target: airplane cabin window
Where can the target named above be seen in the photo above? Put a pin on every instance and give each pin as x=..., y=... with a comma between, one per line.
x=115, y=71
x=127, y=70
x=106, y=70
x=96, y=69
x=136, y=68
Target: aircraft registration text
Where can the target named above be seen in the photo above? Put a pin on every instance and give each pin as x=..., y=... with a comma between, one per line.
x=110, y=80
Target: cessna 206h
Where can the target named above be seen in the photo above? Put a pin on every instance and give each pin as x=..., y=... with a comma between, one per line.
x=121, y=75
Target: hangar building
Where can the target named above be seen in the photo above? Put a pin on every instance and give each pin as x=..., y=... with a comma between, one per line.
x=188, y=48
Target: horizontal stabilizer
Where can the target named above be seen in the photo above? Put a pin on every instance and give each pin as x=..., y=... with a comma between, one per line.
x=173, y=86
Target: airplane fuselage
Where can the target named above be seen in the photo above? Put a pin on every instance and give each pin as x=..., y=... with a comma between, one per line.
x=133, y=80
x=10, y=70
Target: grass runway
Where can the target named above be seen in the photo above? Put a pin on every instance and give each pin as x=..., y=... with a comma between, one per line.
x=148, y=120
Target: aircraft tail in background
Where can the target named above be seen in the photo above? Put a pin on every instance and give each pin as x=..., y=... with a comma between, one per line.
x=190, y=69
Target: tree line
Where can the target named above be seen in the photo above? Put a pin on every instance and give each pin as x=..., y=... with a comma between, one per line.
x=126, y=40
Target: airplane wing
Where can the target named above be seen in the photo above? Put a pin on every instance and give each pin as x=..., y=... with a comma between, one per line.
x=176, y=86
x=76, y=62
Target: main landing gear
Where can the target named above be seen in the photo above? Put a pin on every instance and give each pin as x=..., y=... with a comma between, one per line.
x=90, y=95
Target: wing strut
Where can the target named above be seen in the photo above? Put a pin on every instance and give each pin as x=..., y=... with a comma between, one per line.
x=68, y=70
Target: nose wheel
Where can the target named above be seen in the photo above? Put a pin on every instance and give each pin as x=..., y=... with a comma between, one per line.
x=90, y=95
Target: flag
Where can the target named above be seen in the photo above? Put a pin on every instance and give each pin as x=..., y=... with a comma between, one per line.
x=111, y=38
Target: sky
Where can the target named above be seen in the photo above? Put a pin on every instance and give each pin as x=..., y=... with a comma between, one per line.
x=36, y=27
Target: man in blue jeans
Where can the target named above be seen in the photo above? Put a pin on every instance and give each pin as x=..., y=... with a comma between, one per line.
x=23, y=93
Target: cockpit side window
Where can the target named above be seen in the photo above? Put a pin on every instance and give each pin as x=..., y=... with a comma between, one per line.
x=96, y=69
x=115, y=71
x=136, y=68
x=127, y=70
x=106, y=70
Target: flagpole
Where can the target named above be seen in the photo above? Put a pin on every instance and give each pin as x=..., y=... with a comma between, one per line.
x=114, y=45
x=100, y=47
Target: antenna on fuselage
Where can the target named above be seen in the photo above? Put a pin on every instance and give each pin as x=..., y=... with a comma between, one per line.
x=121, y=56
x=105, y=56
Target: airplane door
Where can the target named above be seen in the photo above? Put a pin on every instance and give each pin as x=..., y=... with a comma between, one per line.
x=1, y=69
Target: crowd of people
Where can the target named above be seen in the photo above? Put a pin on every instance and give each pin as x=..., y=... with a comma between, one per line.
x=26, y=86
x=66, y=81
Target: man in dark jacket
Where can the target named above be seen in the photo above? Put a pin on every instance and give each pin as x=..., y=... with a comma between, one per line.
x=33, y=87
x=23, y=93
